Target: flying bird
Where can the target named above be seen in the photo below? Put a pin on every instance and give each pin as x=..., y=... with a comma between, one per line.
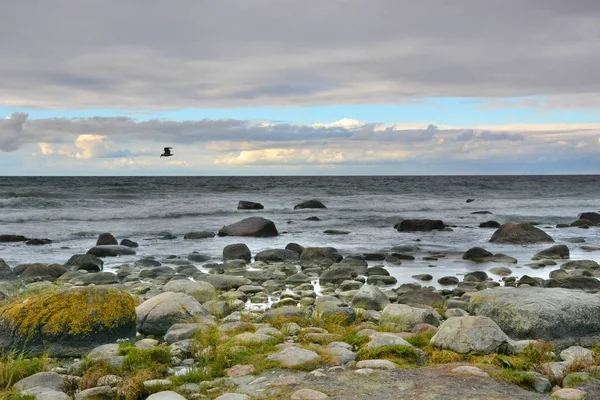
x=167, y=152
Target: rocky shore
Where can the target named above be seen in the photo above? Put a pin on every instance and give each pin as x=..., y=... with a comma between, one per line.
x=303, y=323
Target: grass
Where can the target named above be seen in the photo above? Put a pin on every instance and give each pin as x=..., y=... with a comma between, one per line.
x=421, y=340
x=14, y=367
x=520, y=378
x=136, y=359
x=14, y=394
x=399, y=354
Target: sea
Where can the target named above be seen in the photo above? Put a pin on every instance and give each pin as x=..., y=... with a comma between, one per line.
x=73, y=211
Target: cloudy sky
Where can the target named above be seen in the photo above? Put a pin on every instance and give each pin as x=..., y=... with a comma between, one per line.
x=299, y=87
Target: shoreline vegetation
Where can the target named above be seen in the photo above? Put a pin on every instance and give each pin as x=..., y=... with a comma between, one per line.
x=334, y=326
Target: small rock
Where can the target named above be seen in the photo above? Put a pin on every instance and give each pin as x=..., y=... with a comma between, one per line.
x=308, y=394
x=569, y=394
x=469, y=370
x=376, y=364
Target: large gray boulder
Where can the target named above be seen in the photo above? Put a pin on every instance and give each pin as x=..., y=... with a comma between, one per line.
x=419, y=225
x=336, y=274
x=472, y=335
x=562, y=316
x=277, y=256
x=370, y=297
x=293, y=357
x=253, y=226
x=88, y=262
x=237, y=251
x=201, y=291
x=223, y=282
x=520, y=233
x=405, y=317
x=111, y=251
x=6, y=273
x=156, y=315
x=39, y=272
x=49, y=380
x=319, y=255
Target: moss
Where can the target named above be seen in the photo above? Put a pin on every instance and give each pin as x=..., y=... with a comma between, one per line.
x=520, y=378
x=421, y=340
x=74, y=312
x=154, y=358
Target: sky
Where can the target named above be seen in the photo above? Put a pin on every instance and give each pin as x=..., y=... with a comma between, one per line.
x=299, y=87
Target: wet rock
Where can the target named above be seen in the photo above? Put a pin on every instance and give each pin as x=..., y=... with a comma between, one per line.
x=419, y=225
x=106, y=239
x=198, y=235
x=420, y=296
x=111, y=251
x=477, y=254
x=489, y=224
x=502, y=271
x=253, y=226
x=574, y=282
x=309, y=204
x=319, y=255
x=223, y=281
x=38, y=242
x=87, y=262
x=295, y=247
x=249, y=205
x=197, y=257
x=277, y=256
x=370, y=297
x=423, y=277
x=519, y=233
x=448, y=280
x=129, y=243
x=557, y=252
x=99, y=278
x=591, y=216
x=12, y=238
x=237, y=251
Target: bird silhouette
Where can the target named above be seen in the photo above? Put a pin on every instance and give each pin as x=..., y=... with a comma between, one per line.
x=167, y=152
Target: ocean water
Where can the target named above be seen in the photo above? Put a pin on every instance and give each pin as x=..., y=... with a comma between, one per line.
x=72, y=211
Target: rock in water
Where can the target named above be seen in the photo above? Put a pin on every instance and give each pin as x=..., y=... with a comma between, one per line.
x=472, y=335
x=370, y=297
x=237, y=251
x=111, y=251
x=87, y=262
x=253, y=226
x=6, y=273
x=249, y=205
x=106, y=239
x=477, y=254
x=309, y=204
x=129, y=243
x=277, y=256
x=520, y=233
x=199, y=235
x=558, y=252
x=591, y=216
x=419, y=225
x=562, y=316
x=12, y=238
x=68, y=323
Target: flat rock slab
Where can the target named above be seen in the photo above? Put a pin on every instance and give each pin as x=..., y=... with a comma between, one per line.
x=469, y=370
x=293, y=357
x=165, y=395
x=562, y=316
x=376, y=364
x=308, y=394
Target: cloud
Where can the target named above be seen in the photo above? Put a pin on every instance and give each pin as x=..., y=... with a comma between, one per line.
x=282, y=53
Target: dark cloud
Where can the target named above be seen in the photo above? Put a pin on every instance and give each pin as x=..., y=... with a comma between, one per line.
x=141, y=55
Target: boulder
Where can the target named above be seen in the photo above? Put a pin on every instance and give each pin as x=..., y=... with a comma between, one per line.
x=111, y=251
x=49, y=380
x=88, y=262
x=12, y=238
x=370, y=297
x=472, y=335
x=237, y=251
x=253, y=226
x=419, y=225
x=277, y=256
x=39, y=272
x=38, y=242
x=197, y=257
x=420, y=296
x=295, y=247
x=562, y=316
x=318, y=255
x=68, y=323
x=574, y=282
x=589, y=265
x=129, y=243
x=99, y=278
x=222, y=281
x=520, y=233
x=582, y=223
x=309, y=204
x=106, y=239
x=286, y=313
x=404, y=317
x=557, y=252
x=6, y=273
x=179, y=332
x=157, y=314
x=591, y=216
x=489, y=224
x=336, y=275
x=201, y=291
x=198, y=235
x=293, y=357
x=477, y=254
x=249, y=205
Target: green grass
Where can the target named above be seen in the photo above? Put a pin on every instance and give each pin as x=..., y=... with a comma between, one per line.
x=13, y=394
x=520, y=378
x=14, y=367
x=396, y=353
x=138, y=359
x=421, y=340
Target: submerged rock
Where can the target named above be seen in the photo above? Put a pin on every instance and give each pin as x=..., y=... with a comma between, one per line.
x=253, y=226
x=309, y=204
x=111, y=251
x=419, y=225
x=199, y=235
x=520, y=233
x=249, y=205
x=557, y=252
